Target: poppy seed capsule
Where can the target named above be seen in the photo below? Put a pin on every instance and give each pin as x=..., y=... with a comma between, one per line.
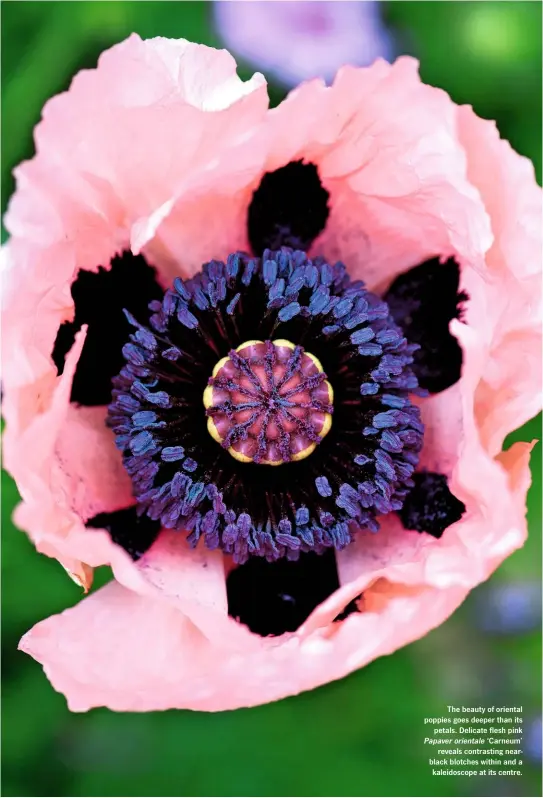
x=269, y=402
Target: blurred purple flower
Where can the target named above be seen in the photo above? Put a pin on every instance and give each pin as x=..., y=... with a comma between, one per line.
x=301, y=39
x=508, y=608
x=533, y=740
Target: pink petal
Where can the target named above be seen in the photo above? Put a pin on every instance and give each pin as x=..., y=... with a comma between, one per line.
x=194, y=582
x=509, y=392
x=111, y=153
x=126, y=133
x=88, y=468
x=109, y=157
x=387, y=150
x=131, y=653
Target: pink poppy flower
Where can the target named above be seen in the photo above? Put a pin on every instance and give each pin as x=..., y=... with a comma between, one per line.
x=290, y=471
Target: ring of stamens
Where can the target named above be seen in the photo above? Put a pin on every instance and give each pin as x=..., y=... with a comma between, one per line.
x=269, y=402
x=186, y=480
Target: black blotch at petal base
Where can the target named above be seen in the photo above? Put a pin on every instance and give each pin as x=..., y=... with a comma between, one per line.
x=288, y=209
x=99, y=299
x=422, y=301
x=430, y=506
x=272, y=598
x=134, y=533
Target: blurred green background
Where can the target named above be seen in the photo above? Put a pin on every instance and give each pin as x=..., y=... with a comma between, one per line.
x=360, y=736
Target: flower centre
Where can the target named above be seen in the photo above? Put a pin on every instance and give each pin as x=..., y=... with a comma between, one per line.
x=268, y=402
